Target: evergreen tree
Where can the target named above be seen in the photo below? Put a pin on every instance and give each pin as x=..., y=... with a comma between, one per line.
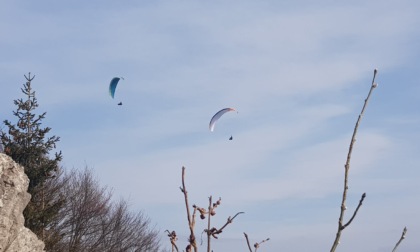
x=26, y=142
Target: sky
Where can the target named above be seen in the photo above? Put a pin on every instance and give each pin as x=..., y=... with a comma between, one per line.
x=297, y=72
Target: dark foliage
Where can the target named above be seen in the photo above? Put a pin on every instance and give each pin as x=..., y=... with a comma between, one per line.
x=27, y=143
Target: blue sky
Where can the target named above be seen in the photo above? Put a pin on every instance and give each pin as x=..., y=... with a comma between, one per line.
x=297, y=72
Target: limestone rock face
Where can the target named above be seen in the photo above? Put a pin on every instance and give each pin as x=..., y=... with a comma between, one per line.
x=13, y=199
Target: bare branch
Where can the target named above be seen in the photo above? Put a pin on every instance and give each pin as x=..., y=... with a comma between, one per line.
x=89, y=221
x=347, y=168
x=208, y=224
x=191, y=219
x=247, y=242
x=229, y=221
x=214, y=231
x=402, y=238
x=355, y=212
x=173, y=238
x=257, y=244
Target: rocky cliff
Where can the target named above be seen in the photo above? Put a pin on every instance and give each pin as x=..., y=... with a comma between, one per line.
x=13, y=199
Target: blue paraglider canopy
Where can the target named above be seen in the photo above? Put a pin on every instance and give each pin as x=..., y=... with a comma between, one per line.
x=113, y=86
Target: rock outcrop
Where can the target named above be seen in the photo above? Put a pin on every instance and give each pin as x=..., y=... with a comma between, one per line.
x=14, y=237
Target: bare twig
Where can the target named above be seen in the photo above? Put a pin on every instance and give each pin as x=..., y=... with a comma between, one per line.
x=191, y=219
x=247, y=242
x=355, y=212
x=256, y=245
x=341, y=227
x=214, y=231
x=208, y=224
x=402, y=238
x=211, y=232
x=211, y=212
x=173, y=238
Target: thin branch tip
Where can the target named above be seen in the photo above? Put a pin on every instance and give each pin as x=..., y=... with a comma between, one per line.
x=343, y=207
x=401, y=239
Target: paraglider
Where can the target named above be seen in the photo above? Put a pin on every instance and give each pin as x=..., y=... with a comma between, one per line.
x=113, y=86
x=217, y=116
